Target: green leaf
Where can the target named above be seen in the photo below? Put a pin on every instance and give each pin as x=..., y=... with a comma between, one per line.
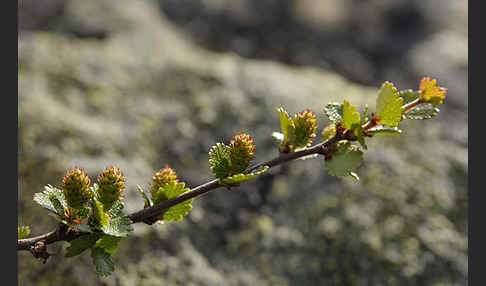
x=119, y=224
x=334, y=111
x=219, y=160
x=102, y=260
x=99, y=213
x=178, y=211
x=389, y=105
x=385, y=130
x=146, y=200
x=243, y=177
x=57, y=205
x=408, y=95
x=286, y=124
x=23, y=231
x=422, y=111
x=44, y=199
x=345, y=160
x=80, y=244
x=350, y=116
x=108, y=243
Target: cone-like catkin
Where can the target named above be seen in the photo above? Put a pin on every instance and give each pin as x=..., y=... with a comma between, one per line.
x=305, y=129
x=75, y=186
x=161, y=179
x=111, y=183
x=241, y=150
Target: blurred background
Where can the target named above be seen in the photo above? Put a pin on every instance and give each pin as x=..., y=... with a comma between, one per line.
x=141, y=84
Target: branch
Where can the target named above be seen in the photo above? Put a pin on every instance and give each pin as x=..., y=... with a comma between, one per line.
x=146, y=215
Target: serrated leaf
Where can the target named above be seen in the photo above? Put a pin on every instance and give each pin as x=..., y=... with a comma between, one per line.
x=431, y=92
x=345, y=160
x=350, y=116
x=408, y=95
x=99, y=214
x=384, y=130
x=334, y=111
x=178, y=211
x=219, y=160
x=116, y=210
x=422, y=111
x=108, y=243
x=243, y=177
x=286, y=124
x=57, y=205
x=389, y=105
x=103, y=262
x=119, y=224
x=80, y=244
x=44, y=199
x=23, y=231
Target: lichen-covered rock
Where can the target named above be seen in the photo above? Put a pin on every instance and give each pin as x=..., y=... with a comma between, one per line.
x=141, y=97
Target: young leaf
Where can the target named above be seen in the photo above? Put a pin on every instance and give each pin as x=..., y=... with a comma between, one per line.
x=80, y=244
x=431, y=92
x=99, y=213
x=102, y=260
x=58, y=205
x=384, y=129
x=23, y=231
x=219, y=160
x=178, y=211
x=286, y=123
x=43, y=199
x=119, y=226
x=345, y=160
x=146, y=200
x=350, y=116
x=389, y=105
x=243, y=177
x=334, y=111
x=108, y=243
x=408, y=95
x=422, y=111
